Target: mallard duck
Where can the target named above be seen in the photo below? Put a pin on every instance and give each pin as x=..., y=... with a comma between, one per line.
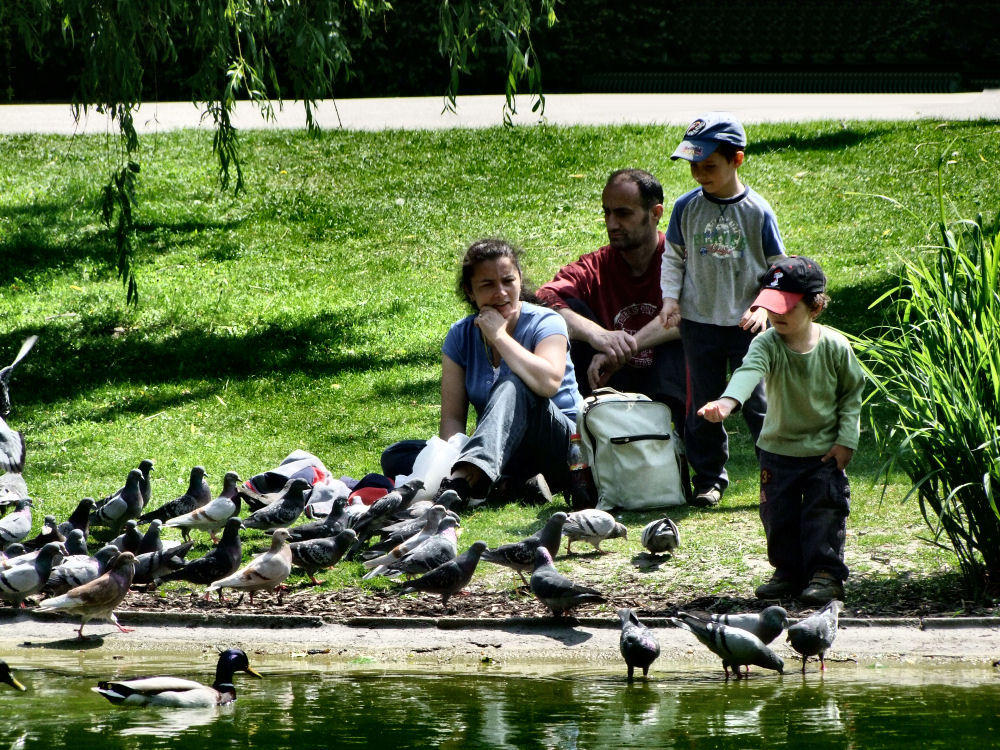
x=178, y=692
x=9, y=679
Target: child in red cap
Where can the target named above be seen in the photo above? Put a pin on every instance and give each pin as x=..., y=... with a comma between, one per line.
x=811, y=428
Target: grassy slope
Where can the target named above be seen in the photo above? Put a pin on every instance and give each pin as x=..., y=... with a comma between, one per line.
x=308, y=313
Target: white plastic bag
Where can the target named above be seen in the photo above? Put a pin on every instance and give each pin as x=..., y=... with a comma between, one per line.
x=434, y=463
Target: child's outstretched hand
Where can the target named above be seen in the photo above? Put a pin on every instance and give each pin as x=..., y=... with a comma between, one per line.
x=717, y=411
x=754, y=321
x=841, y=454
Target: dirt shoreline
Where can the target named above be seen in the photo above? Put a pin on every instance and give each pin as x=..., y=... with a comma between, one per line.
x=536, y=644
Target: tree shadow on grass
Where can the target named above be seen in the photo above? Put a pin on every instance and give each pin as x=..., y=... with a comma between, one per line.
x=839, y=140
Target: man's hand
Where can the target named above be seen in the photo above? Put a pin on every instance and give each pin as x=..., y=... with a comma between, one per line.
x=754, y=321
x=717, y=411
x=841, y=454
x=670, y=313
x=600, y=370
x=617, y=346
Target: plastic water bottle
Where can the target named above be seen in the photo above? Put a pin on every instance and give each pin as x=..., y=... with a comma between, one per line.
x=582, y=491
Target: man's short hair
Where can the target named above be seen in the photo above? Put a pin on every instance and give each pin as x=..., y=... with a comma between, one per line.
x=650, y=189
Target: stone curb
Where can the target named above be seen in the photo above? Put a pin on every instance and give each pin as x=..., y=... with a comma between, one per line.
x=274, y=622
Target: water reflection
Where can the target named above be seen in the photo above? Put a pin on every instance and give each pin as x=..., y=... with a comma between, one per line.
x=493, y=709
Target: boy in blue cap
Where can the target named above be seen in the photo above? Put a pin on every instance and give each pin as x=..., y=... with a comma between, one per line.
x=814, y=389
x=721, y=238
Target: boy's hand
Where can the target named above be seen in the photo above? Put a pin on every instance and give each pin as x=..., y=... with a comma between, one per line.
x=841, y=454
x=717, y=411
x=670, y=313
x=754, y=321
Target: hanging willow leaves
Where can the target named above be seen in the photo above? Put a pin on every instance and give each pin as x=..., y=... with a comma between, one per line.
x=263, y=51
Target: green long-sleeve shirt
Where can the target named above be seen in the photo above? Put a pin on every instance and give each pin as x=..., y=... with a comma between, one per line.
x=813, y=399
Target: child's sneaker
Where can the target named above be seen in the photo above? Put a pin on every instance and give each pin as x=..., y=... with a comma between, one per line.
x=707, y=498
x=822, y=588
x=780, y=586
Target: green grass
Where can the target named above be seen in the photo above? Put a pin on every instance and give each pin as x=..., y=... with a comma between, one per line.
x=309, y=312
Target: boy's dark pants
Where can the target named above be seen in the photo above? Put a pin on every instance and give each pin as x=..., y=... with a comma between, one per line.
x=804, y=504
x=712, y=352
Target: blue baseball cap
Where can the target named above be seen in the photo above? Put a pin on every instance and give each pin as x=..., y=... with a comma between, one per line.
x=705, y=134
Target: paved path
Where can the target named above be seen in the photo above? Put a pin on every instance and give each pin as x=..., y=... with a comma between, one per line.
x=418, y=113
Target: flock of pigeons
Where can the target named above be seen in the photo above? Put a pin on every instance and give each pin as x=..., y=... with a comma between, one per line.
x=397, y=536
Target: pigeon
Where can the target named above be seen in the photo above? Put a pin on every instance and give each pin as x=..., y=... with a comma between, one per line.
x=283, y=511
x=130, y=539
x=446, y=498
x=814, y=635
x=319, y=554
x=18, y=583
x=329, y=526
x=212, y=516
x=76, y=543
x=7, y=371
x=400, y=531
x=661, y=535
x=766, y=625
x=520, y=556
x=145, y=486
x=120, y=507
x=554, y=590
x=77, y=570
x=155, y=564
x=377, y=564
x=637, y=643
x=12, y=448
x=735, y=646
x=12, y=489
x=79, y=518
x=97, y=599
x=17, y=525
x=265, y=572
x=49, y=533
x=435, y=551
x=197, y=495
x=7, y=678
x=222, y=561
x=450, y=578
x=382, y=511
x=176, y=692
x=593, y=526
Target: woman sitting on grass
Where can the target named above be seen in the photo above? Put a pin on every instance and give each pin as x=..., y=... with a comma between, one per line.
x=510, y=360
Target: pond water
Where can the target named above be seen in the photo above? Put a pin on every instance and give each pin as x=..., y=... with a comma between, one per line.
x=308, y=705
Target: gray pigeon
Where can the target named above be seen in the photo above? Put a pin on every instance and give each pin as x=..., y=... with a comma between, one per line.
x=450, y=578
x=17, y=525
x=12, y=449
x=7, y=371
x=382, y=511
x=331, y=525
x=766, y=625
x=76, y=543
x=96, y=599
x=120, y=507
x=12, y=488
x=281, y=512
x=313, y=555
x=222, y=561
x=435, y=551
x=592, y=526
x=145, y=485
x=77, y=570
x=18, y=583
x=400, y=531
x=520, y=556
x=130, y=538
x=377, y=565
x=660, y=536
x=213, y=515
x=198, y=494
x=815, y=634
x=554, y=590
x=152, y=565
x=637, y=643
x=736, y=647
x=150, y=541
x=79, y=518
x=48, y=533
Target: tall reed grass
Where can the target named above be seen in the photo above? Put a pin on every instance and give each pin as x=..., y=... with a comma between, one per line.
x=936, y=403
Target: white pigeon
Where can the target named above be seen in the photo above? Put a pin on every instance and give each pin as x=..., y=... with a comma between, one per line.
x=213, y=516
x=265, y=572
x=592, y=526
